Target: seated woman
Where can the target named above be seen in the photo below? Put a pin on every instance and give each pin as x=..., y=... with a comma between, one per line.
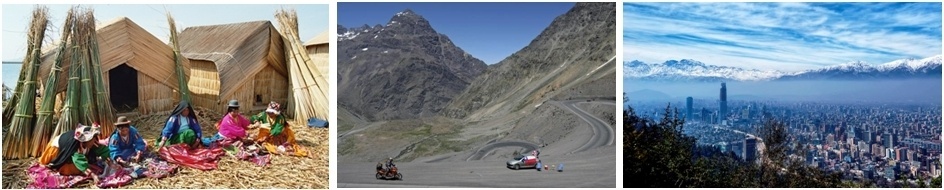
x=181, y=127
x=275, y=133
x=75, y=152
x=126, y=144
x=232, y=128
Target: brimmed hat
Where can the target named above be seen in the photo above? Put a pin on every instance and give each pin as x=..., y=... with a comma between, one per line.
x=86, y=133
x=233, y=104
x=122, y=121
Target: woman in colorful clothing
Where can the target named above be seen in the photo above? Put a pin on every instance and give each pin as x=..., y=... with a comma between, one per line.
x=275, y=133
x=75, y=152
x=126, y=143
x=232, y=128
x=181, y=127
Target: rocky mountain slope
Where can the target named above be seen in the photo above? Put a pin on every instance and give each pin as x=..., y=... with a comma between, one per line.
x=403, y=69
x=575, y=48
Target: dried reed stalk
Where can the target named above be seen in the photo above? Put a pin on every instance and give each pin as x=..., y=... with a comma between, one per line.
x=17, y=140
x=43, y=130
x=71, y=113
x=181, y=79
x=104, y=111
x=85, y=27
x=308, y=93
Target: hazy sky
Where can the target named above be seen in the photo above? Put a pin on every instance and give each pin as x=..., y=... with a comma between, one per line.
x=487, y=31
x=781, y=36
x=313, y=19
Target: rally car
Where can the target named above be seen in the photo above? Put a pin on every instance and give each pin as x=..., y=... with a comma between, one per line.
x=523, y=162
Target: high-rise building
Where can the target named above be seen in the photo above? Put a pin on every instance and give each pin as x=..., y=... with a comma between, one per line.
x=890, y=154
x=851, y=132
x=689, y=109
x=868, y=136
x=723, y=113
x=934, y=170
x=750, y=149
x=901, y=154
x=889, y=140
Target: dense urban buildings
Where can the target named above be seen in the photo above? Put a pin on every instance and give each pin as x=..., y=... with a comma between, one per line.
x=877, y=142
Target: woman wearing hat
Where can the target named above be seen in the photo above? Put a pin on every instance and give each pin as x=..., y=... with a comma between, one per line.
x=75, y=152
x=232, y=127
x=274, y=131
x=181, y=127
x=126, y=143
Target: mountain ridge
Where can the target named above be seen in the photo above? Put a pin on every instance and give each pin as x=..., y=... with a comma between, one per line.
x=691, y=70
x=404, y=69
x=573, y=46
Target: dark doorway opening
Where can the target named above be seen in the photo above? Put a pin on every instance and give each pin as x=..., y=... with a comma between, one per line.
x=123, y=87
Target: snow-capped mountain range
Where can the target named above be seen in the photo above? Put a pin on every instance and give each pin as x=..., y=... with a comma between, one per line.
x=691, y=70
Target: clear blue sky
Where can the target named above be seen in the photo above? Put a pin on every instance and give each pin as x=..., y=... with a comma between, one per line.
x=487, y=31
x=313, y=19
x=781, y=36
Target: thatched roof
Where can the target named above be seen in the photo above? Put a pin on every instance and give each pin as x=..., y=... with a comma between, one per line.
x=123, y=41
x=318, y=39
x=239, y=50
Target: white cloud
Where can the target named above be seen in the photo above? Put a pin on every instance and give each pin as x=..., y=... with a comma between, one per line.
x=786, y=36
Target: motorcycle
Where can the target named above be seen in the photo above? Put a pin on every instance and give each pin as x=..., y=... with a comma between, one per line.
x=388, y=174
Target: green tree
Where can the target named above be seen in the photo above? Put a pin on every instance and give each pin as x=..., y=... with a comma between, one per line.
x=936, y=182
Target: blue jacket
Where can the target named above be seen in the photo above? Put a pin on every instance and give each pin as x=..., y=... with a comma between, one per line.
x=172, y=125
x=125, y=150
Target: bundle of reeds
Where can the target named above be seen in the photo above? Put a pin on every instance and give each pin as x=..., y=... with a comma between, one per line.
x=309, y=89
x=86, y=96
x=181, y=78
x=86, y=103
x=16, y=141
x=42, y=131
x=68, y=117
x=104, y=111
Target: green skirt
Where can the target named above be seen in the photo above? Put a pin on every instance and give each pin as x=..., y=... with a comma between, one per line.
x=186, y=137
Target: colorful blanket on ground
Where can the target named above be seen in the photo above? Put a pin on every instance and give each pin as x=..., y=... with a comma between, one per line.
x=158, y=169
x=202, y=159
x=114, y=177
x=44, y=178
x=251, y=153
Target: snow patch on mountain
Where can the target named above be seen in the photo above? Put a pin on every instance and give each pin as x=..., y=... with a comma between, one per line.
x=687, y=69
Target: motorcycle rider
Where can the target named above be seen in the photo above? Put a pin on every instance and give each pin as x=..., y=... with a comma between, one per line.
x=390, y=163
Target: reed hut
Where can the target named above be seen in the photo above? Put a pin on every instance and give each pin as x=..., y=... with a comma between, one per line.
x=317, y=48
x=243, y=61
x=137, y=67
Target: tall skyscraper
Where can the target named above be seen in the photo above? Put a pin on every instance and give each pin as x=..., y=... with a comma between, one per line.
x=688, y=109
x=723, y=113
